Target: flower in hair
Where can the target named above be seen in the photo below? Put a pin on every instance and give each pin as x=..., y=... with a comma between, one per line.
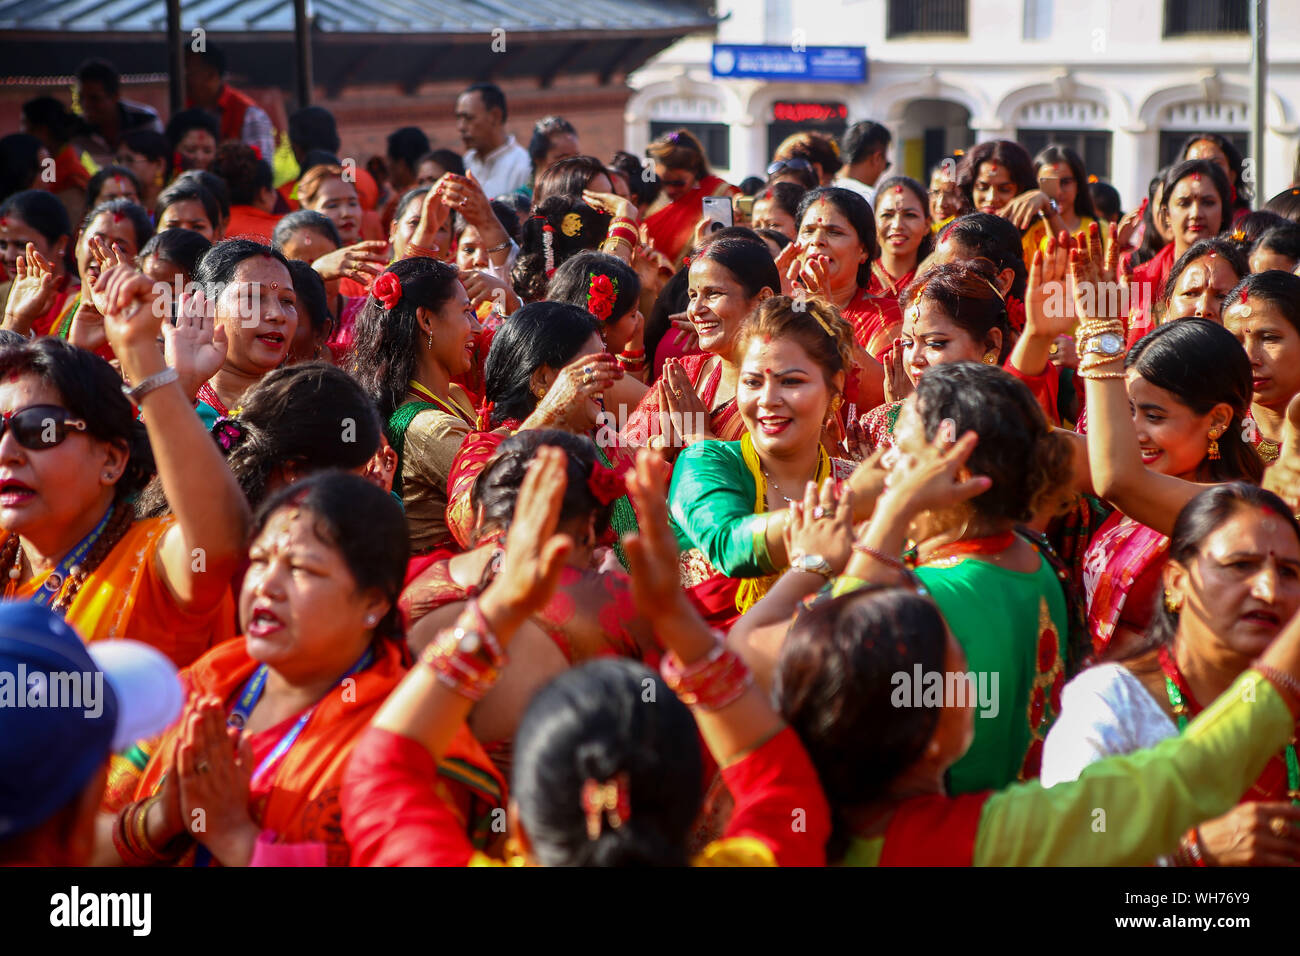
x=602, y=293
x=609, y=800
x=229, y=432
x=388, y=290
x=607, y=484
x=548, y=248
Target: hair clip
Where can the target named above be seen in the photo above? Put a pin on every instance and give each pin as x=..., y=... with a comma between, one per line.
x=228, y=432
x=548, y=248
x=609, y=799
x=996, y=291
x=571, y=224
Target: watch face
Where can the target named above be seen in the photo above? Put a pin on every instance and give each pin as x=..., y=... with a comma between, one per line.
x=1110, y=343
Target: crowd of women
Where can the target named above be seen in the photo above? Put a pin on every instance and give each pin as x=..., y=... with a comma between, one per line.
x=571, y=527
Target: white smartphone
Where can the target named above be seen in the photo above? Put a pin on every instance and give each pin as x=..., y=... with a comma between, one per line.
x=717, y=209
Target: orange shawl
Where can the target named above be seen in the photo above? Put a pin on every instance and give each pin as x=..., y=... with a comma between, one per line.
x=126, y=596
x=299, y=801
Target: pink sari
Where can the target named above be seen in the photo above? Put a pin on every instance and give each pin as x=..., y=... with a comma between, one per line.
x=1121, y=577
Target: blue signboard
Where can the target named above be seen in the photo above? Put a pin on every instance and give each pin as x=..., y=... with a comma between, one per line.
x=814, y=64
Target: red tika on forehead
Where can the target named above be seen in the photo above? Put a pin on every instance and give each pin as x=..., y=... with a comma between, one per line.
x=898, y=189
x=1245, y=294
x=1195, y=177
x=118, y=217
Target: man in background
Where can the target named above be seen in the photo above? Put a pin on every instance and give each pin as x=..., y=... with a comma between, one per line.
x=865, y=151
x=495, y=159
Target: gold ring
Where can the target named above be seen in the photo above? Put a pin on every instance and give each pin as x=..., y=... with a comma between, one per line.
x=1055, y=348
x=1279, y=826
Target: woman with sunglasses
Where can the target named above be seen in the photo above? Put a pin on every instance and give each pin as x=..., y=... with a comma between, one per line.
x=683, y=170
x=794, y=171
x=72, y=456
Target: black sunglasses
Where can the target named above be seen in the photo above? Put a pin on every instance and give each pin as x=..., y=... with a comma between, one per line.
x=39, y=427
x=797, y=164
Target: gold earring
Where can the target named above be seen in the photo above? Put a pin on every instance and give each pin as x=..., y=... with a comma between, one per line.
x=1212, y=452
x=991, y=357
x=1172, y=606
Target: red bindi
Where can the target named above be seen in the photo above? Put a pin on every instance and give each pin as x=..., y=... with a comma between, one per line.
x=1196, y=177
x=898, y=189
x=275, y=285
x=118, y=217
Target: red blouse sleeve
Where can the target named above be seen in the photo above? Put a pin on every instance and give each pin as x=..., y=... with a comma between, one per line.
x=474, y=454
x=1046, y=387
x=779, y=801
x=392, y=816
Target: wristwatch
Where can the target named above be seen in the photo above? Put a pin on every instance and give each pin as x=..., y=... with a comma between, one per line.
x=1107, y=343
x=812, y=562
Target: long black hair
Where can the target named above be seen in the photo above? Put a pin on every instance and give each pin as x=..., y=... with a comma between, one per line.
x=572, y=283
x=1028, y=462
x=1203, y=167
x=363, y=523
x=497, y=487
x=991, y=237
x=1202, y=364
x=610, y=719
x=387, y=341
x=540, y=334
x=835, y=685
x=91, y=390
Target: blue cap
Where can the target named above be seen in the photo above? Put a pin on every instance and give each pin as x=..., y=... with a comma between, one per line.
x=65, y=707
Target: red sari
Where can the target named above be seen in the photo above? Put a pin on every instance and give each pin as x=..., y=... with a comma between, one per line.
x=724, y=420
x=672, y=228
x=876, y=321
x=1145, y=285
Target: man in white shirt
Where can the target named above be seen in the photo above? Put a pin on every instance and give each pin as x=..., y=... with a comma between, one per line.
x=865, y=151
x=499, y=163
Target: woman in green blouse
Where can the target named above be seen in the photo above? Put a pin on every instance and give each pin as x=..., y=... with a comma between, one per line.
x=728, y=500
x=883, y=750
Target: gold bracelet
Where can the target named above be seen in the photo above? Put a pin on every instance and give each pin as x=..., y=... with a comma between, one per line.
x=1097, y=376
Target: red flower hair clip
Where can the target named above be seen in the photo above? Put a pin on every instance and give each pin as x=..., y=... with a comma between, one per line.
x=602, y=293
x=607, y=484
x=388, y=290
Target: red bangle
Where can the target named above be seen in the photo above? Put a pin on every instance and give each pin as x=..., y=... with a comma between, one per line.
x=712, y=683
x=420, y=251
x=895, y=563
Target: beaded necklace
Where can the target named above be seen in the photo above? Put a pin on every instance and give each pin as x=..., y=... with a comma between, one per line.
x=119, y=522
x=1184, y=704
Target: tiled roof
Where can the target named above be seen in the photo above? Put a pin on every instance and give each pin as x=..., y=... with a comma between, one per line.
x=347, y=16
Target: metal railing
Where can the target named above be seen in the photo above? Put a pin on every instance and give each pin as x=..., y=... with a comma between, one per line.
x=1184, y=17
x=916, y=17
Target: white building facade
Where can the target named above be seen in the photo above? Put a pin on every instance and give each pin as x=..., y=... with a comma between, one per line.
x=1122, y=81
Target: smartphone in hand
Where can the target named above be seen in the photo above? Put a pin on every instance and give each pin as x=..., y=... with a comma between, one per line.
x=717, y=209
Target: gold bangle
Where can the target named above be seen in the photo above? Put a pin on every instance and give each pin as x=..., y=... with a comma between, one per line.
x=1097, y=376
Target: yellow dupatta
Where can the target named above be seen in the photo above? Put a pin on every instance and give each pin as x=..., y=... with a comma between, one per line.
x=752, y=590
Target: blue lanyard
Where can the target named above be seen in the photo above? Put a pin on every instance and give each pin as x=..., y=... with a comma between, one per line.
x=248, y=698
x=47, y=592
x=252, y=693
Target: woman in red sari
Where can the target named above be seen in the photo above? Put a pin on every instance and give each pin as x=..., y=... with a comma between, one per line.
x=591, y=613
x=547, y=368
x=600, y=779
x=1197, y=285
x=681, y=166
x=1194, y=202
x=695, y=398
x=903, y=232
x=322, y=650
x=34, y=226
x=834, y=252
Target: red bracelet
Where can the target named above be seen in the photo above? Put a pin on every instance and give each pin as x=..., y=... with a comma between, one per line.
x=895, y=563
x=420, y=251
x=711, y=683
x=467, y=658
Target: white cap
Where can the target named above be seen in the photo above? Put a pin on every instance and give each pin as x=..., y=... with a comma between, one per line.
x=147, y=687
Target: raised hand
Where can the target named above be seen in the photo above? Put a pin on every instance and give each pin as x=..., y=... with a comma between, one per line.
x=485, y=287
x=1282, y=477
x=215, y=766
x=32, y=293
x=689, y=417
x=611, y=203
x=361, y=261
x=434, y=214
x=570, y=403
x=652, y=551
x=931, y=480
x=788, y=265
x=196, y=345
x=1047, y=311
x=897, y=385
x=132, y=315
x=534, y=553
x=822, y=524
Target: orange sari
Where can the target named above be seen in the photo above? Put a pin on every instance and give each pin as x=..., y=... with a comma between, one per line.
x=126, y=596
x=298, y=801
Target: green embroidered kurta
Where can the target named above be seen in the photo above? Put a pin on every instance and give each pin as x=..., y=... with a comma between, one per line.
x=711, y=507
